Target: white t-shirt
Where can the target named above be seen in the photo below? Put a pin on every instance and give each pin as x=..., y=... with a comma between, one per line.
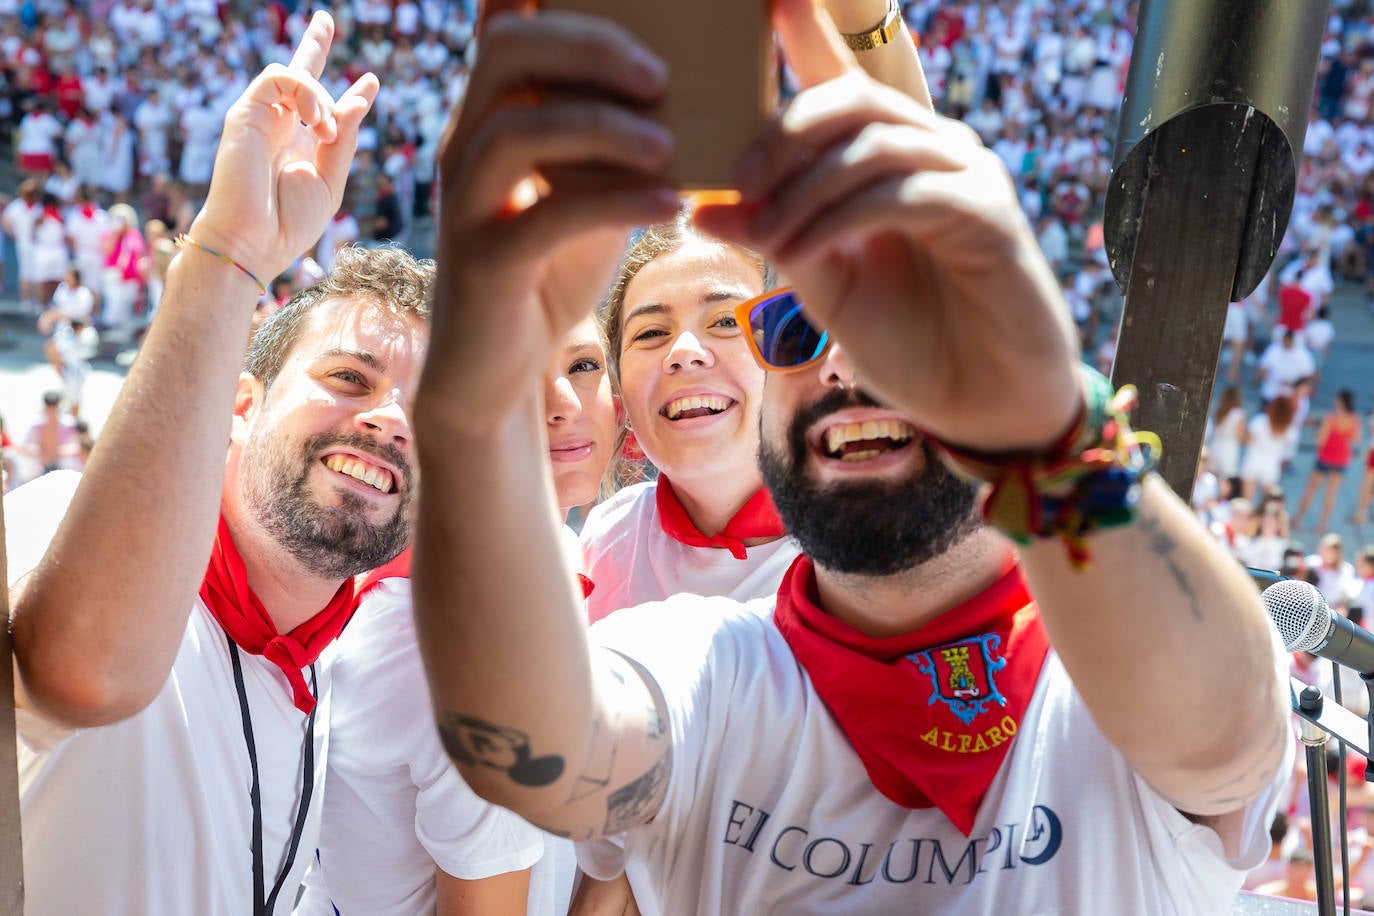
x=1265, y=452
x=1283, y=367
x=38, y=134
x=632, y=560
x=76, y=303
x=152, y=815
x=22, y=218
x=769, y=809
x=395, y=806
x=88, y=233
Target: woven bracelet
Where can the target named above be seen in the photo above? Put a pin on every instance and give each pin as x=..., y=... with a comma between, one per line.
x=185, y=241
x=1087, y=481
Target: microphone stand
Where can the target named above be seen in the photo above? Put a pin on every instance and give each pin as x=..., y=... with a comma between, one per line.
x=1314, y=741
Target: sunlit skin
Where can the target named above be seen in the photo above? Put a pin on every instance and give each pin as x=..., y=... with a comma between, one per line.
x=788, y=393
x=351, y=373
x=579, y=413
x=681, y=340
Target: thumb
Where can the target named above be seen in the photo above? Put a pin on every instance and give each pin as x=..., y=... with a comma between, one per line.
x=811, y=42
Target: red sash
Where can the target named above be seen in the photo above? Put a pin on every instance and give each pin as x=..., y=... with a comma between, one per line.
x=931, y=713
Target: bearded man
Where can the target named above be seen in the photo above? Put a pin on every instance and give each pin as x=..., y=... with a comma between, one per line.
x=929, y=718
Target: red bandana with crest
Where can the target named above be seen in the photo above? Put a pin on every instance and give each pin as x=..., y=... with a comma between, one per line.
x=226, y=593
x=930, y=713
x=757, y=518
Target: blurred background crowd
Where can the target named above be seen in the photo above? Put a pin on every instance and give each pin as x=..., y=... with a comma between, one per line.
x=111, y=114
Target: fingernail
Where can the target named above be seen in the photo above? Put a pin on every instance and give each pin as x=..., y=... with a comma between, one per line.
x=649, y=69
x=654, y=139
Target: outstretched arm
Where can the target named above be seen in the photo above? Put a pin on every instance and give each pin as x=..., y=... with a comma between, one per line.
x=907, y=242
x=97, y=624
x=524, y=707
x=1168, y=643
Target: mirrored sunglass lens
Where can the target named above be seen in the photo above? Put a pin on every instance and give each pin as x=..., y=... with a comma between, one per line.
x=784, y=336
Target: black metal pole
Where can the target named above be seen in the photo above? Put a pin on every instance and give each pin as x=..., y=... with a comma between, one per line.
x=1314, y=740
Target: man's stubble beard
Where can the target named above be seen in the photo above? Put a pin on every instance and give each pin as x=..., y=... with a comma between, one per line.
x=331, y=542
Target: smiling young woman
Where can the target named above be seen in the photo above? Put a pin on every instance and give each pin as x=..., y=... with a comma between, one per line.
x=691, y=391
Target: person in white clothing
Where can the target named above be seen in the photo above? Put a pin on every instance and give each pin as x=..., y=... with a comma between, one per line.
x=1268, y=436
x=1225, y=436
x=745, y=755
x=402, y=833
x=202, y=694
x=39, y=132
x=18, y=221
x=84, y=148
x=87, y=224
x=153, y=119
x=691, y=392
x=1337, y=579
x=200, y=138
x=50, y=252
x=72, y=341
x=1283, y=363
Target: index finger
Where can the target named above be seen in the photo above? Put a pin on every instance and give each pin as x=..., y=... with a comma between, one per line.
x=813, y=46
x=313, y=50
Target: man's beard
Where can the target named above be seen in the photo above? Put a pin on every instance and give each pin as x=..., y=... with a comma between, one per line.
x=332, y=542
x=866, y=527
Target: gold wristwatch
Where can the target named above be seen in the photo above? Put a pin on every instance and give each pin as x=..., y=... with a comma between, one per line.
x=881, y=34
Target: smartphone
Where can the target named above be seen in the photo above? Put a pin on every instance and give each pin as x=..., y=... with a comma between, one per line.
x=722, y=77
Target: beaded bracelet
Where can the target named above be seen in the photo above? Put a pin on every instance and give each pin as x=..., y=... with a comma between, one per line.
x=1087, y=481
x=185, y=241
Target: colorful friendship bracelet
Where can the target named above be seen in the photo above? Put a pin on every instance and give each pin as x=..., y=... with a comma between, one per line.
x=185, y=241
x=1088, y=480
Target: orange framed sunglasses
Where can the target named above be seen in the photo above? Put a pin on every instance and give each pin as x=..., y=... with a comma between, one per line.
x=780, y=337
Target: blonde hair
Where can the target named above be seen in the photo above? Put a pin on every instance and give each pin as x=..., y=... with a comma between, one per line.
x=126, y=213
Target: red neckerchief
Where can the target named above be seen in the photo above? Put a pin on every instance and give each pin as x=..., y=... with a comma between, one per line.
x=757, y=518
x=88, y=211
x=226, y=593
x=52, y=213
x=399, y=568
x=930, y=713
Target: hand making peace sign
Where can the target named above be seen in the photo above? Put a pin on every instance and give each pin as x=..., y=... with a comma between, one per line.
x=283, y=159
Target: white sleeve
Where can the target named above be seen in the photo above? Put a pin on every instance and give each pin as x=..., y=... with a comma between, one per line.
x=1200, y=862
x=388, y=773
x=32, y=513
x=467, y=837
x=687, y=646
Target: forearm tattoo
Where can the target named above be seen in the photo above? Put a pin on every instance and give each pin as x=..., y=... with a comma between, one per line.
x=1164, y=546
x=476, y=742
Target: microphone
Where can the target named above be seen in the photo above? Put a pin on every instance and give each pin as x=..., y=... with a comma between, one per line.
x=1306, y=624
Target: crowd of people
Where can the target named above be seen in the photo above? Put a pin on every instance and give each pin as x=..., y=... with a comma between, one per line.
x=119, y=111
